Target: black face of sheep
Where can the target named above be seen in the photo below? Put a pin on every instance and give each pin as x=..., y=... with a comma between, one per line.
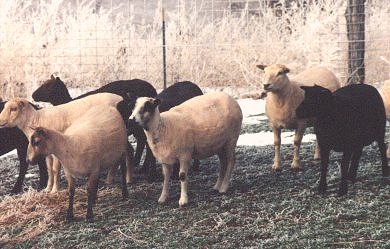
x=316, y=99
x=52, y=90
x=347, y=120
x=144, y=110
x=37, y=147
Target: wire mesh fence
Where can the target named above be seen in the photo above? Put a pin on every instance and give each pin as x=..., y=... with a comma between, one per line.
x=211, y=42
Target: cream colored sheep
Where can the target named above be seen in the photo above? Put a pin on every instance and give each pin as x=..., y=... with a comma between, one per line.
x=19, y=112
x=385, y=93
x=198, y=128
x=284, y=96
x=95, y=141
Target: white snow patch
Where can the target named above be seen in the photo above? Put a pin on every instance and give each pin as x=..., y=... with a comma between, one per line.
x=13, y=152
x=267, y=138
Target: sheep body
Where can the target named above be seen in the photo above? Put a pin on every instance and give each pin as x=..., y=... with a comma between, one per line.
x=346, y=121
x=95, y=141
x=283, y=97
x=19, y=112
x=198, y=128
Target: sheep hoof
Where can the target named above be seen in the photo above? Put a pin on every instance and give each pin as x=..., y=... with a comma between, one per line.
x=276, y=169
x=162, y=199
x=322, y=189
x=69, y=217
x=296, y=169
x=47, y=189
x=183, y=202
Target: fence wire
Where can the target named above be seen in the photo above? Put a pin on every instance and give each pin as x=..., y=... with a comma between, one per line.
x=210, y=42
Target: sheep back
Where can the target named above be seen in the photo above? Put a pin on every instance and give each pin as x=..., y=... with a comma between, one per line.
x=320, y=76
x=204, y=124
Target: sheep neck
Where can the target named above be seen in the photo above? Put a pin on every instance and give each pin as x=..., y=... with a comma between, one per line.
x=281, y=98
x=155, y=128
x=59, y=145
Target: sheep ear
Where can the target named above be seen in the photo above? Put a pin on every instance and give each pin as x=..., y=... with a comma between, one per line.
x=261, y=66
x=156, y=102
x=58, y=78
x=40, y=131
x=52, y=77
x=285, y=70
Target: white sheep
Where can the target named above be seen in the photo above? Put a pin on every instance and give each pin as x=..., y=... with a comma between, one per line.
x=95, y=141
x=284, y=96
x=20, y=113
x=198, y=128
x=385, y=93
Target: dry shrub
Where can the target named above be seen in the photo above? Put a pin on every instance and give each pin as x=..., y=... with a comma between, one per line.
x=26, y=216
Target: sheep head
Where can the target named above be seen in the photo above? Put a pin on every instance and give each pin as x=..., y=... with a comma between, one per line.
x=50, y=90
x=38, y=146
x=12, y=113
x=316, y=100
x=275, y=77
x=144, y=111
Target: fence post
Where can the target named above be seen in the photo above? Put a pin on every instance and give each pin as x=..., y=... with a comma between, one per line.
x=164, y=49
x=355, y=17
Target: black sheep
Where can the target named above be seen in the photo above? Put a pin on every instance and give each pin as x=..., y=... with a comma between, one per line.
x=55, y=92
x=346, y=121
x=13, y=138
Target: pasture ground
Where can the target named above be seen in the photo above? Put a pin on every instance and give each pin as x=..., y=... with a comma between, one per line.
x=261, y=209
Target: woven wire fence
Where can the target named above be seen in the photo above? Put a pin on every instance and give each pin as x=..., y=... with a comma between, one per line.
x=215, y=43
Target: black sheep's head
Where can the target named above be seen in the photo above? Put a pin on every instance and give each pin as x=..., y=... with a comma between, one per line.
x=316, y=100
x=49, y=90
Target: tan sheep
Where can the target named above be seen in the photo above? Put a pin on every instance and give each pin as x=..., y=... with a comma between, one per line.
x=198, y=128
x=284, y=96
x=385, y=93
x=19, y=112
x=95, y=141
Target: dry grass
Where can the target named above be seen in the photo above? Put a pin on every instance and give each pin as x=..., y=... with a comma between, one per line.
x=28, y=215
x=218, y=48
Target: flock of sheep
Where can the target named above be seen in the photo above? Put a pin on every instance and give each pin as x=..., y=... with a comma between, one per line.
x=89, y=134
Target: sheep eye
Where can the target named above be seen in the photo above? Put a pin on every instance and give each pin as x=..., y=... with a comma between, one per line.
x=36, y=143
x=13, y=109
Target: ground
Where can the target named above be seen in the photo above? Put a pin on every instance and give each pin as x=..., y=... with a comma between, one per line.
x=261, y=209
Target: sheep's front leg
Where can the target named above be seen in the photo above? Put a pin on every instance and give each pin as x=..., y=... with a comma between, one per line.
x=277, y=162
x=129, y=163
x=42, y=173
x=317, y=152
x=22, y=153
x=352, y=173
x=56, y=175
x=167, y=175
x=71, y=190
x=295, y=165
x=92, y=194
x=343, y=189
x=324, y=169
x=49, y=165
x=385, y=164
x=183, y=176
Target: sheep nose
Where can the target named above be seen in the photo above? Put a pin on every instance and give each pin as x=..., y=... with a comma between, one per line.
x=266, y=86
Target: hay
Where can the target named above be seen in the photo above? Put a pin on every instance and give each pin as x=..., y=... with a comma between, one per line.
x=26, y=216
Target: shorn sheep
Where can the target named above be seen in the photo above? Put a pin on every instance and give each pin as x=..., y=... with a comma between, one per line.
x=283, y=97
x=95, y=141
x=198, y=128
x=20, y=113
x=13, y=138
x=55, y=92
x=170, y=97
x=346, y=121
x=385, y=93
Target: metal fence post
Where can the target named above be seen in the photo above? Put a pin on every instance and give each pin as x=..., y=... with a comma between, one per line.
x=164, y=49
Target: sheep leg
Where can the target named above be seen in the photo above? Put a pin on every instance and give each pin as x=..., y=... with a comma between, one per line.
x=385, y=166
x=295, y=165
x=56, y=175
x=22, y=154
x=92, y=194
x=317, y=152
x=167, y=175
x=343, y=189
x=196, y=165
x=388, y=151
x=42, y=173
x=354, y=164
x=71, y=190
x=110, y=175
x=130, y=163
x=125, y=193
x=277, y=162
x=222, y=170
x=141, y=142
x=324, y=170
x=183, y=176
x=49, y=164
x=149, y=167
x=231, y=158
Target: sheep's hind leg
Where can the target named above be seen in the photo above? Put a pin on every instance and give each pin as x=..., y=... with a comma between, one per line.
x=277, y=162
x=183, y=176
x=165, y=191
x=295, y=165
x=71, y=190
x=92, y=194
x=231, y=158
x=343, y=189
x=49, y=164
x=130, y=164
x=354, y=164
x=324, y=170
x=124, y=169
x=222, y=170
x=385, y=166
x=317, y=151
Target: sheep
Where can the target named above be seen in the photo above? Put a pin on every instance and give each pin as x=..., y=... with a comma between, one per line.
x=198, y=128
x=172, y=96
x=95, y=141
x=54, y=91
x=20, y=113
x=283, y=97
x=385, y=93
x=346, y=121
x=13, y=138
